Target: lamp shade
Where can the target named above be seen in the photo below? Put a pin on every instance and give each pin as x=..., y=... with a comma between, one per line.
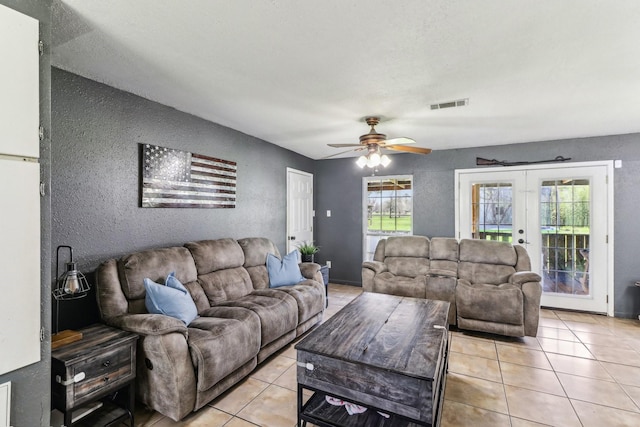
x=374, y=160
x=71, y=284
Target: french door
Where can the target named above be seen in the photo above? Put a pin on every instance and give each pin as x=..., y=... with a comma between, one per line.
x=562, y=215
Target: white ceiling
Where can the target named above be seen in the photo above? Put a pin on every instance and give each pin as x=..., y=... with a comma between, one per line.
x=301, y=74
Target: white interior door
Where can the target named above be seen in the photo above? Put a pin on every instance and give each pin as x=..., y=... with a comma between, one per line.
x=19, y=191
x=299, y=208
x=562, y=215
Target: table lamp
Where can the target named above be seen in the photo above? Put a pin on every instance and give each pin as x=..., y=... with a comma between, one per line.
x=70, y=285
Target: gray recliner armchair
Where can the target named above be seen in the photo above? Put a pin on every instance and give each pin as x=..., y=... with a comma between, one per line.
x=496, y=290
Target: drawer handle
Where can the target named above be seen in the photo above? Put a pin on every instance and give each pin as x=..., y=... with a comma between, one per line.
x=107, y=363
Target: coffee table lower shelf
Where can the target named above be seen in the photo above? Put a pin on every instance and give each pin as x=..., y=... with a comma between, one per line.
x=319, y=412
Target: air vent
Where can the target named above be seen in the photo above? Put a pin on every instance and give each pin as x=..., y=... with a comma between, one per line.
x=451, y=104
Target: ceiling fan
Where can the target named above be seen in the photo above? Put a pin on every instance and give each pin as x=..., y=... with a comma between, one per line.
x=373, y=141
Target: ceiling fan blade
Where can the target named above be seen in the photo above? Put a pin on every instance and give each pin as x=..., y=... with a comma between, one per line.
x=416, y=150
x=398, y=141
x=344, y=145
x=342, y=152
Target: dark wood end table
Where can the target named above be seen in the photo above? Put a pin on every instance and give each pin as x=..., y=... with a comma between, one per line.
x=85, y=373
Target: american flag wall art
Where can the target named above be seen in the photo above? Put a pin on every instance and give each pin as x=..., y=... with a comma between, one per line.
x=180, y=179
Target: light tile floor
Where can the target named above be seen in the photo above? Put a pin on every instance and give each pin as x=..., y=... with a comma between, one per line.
x=581, y=370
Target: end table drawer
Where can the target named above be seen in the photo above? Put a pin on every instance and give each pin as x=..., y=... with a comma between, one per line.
x=102, y=370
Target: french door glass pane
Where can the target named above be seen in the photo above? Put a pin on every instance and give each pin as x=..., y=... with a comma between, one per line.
x=565, y=231
x=492, y=211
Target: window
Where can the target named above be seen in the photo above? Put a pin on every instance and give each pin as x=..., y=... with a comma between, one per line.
x=492, y=211
x=565, y=229
x=388, y=210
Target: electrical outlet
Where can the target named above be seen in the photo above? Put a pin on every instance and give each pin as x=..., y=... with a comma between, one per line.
x=328, y=214
x=329, y=264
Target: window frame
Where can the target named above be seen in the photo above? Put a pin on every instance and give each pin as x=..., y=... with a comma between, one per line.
x=365, y=210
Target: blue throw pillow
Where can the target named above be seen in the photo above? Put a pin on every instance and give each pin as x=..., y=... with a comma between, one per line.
x=171, y=299
x=285, y=272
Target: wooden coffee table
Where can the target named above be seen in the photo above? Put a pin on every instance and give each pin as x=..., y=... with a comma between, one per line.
x=384, y=352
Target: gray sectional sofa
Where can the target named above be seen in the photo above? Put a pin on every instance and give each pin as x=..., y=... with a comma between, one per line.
x=489, y=284
x=241, y=321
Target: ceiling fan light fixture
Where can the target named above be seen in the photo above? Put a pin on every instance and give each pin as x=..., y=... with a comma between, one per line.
x=374, y=141
x=361, y=162
x=374, y=159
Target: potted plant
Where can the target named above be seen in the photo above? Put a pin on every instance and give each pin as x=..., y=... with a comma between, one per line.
x=307, y=251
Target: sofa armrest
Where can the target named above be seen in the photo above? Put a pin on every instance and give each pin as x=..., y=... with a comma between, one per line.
x=311, y=271
x=165, y=376
x=148, y=324
x=377, y=266
x=520, y=277
x=369, y=270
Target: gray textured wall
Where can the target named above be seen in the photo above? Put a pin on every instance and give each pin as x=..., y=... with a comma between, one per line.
x=339, y=188
x=30, y=389
x=95, y=174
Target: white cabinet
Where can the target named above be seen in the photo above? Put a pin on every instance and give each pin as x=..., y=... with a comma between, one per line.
x=19, y=191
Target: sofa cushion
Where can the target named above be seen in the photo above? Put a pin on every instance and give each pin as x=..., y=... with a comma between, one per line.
x=388, y=283
x=222, y=340
x=154, y=264
x=443, y=288
x=214, y=255
x=227, y=284
x=487, y=252
x=444, y=256
x=444, y=248
x=171, y=299
x=278, y=312
x=259, y=276
x=406, y=255
x=407, y=266
x=285, y=272
x=407, y=246
x=493, y=274
x=256, y=249
x=502, y=303
x=255, y=259
x=309, y=296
